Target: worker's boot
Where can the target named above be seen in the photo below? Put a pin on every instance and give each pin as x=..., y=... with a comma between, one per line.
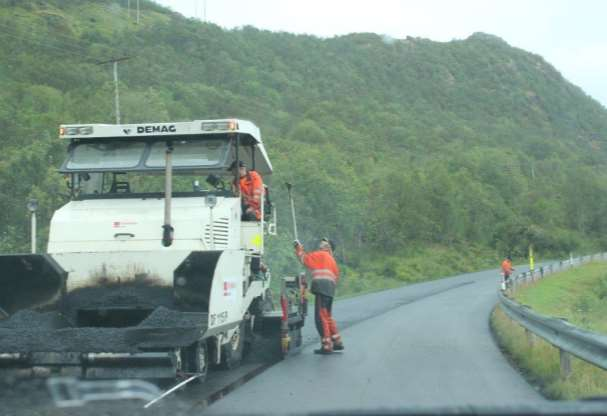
x=326, y=347
x=338, y=344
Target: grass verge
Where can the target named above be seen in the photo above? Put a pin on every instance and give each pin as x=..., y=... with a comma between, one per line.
x=539, y=362
x=578, y=294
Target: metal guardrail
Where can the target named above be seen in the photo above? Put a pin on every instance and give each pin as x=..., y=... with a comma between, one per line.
x=543, y=271
x=569, y=339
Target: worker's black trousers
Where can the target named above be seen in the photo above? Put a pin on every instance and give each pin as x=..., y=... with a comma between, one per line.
x=325, y=324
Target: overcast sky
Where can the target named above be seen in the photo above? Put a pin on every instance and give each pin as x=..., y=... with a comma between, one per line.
x=570, y=34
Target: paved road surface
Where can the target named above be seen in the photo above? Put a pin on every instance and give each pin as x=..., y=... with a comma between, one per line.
x=427, y=344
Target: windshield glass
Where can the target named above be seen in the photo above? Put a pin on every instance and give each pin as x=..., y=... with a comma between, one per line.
x=435, y=170
x=107, y=155
x=206, y=153
x=141, y=182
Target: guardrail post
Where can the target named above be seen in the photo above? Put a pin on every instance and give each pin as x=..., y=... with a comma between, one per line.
x=530, y=338
x=565, y=364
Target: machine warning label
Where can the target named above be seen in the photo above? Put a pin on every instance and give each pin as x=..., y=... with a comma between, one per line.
x=229, y=288
x=122, y=224
x=218, y=318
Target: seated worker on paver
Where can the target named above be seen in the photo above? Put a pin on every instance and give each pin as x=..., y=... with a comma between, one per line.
x=250, y=186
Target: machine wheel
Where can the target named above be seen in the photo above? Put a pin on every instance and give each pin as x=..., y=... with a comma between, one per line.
x=232, y=352
x=195, y=359
x=249, y=336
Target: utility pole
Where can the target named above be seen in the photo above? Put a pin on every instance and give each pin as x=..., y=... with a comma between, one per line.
x=116, y=94
x=204, y=9
x=128, y=9
x=137, y=11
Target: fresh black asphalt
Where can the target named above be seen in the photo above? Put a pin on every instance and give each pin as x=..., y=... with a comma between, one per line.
x=426, y=345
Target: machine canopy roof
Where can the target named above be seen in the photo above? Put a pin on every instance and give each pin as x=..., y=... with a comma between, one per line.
x=198, y=145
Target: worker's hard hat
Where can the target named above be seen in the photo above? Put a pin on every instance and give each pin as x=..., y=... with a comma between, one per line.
x=326, y=243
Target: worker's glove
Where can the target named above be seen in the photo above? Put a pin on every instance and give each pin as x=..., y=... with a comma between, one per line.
x=296, y=243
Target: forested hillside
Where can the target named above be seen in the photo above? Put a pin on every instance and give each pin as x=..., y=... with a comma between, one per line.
x=418, y=158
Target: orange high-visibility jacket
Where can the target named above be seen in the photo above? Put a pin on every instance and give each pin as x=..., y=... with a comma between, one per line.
x=251, y=189
x=507, y=267
x=321, y=263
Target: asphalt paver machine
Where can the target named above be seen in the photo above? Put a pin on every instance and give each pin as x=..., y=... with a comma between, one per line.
x=150, y=270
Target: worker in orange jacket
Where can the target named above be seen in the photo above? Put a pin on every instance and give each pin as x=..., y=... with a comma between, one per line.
x=325, y=275
x=250, y=186
x=507, y=268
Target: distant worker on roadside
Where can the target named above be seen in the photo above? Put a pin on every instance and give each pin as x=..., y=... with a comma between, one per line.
x=325, y=275
x=250, y=186
x=507, y=268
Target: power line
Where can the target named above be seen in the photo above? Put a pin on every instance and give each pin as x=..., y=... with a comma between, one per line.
x=123, y=58
x=9, y=29
x=66, y=44
x=54, y=34
x=114, y=9
x=64, y=40
x=47, y=45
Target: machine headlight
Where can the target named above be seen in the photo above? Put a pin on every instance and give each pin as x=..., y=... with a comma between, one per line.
x=230, y=125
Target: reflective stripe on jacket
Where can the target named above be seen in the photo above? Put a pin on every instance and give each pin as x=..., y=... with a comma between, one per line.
x=321, y=264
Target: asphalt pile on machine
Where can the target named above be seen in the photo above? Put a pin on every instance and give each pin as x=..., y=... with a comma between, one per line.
x=30, y=331
x=163, y=317
x=28, y=319
x=133, y=294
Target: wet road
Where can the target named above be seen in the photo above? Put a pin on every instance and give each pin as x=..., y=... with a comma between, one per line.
x=422, y=345
x=427, y=344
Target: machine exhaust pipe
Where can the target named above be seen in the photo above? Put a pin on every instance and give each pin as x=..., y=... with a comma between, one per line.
x=28, y=281
x=167, y=228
